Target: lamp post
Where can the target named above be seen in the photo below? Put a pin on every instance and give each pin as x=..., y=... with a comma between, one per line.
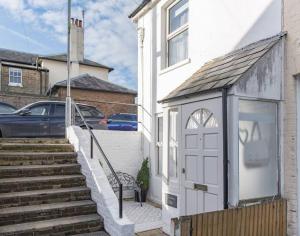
x=68, y=98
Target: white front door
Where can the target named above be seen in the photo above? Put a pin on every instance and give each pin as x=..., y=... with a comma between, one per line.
x=202, y=157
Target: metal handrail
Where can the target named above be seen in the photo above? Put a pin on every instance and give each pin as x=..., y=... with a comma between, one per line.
x=94, y=139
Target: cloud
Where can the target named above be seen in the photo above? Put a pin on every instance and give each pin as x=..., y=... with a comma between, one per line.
x=110, y=37
x=15, y=33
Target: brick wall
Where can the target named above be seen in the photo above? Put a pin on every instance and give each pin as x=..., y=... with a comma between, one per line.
x=33, y=82
x=20, y=100
x=292, y=67
x=99, y=99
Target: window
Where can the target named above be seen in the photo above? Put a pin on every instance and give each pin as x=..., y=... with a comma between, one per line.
x=173, y=143
x=202, y=118
x=159, y=145
x=177, y=32
x=15, y=77
x=60, y=110
x=258, y=152
x=39, y=110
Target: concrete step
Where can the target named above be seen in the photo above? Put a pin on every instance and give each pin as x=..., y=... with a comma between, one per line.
x=41, y=182
x=32, y=147
x=59, y=226
x=39, y=158
x=98, y=233
x=34, y=140
x=17, y=215
x=38, y=170
x=45, y=196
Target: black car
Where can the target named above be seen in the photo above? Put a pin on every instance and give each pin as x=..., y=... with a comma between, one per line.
x=46, y=119
x=6, y=108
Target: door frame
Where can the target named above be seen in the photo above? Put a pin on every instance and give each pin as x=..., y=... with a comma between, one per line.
x=181, y=160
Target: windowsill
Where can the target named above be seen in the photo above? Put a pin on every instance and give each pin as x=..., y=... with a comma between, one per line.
x=173, y=67
x=15, y=85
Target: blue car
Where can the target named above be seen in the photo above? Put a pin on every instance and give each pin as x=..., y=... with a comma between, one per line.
x=122, y=121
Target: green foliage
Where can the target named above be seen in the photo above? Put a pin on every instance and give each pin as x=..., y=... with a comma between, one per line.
x=143, y=176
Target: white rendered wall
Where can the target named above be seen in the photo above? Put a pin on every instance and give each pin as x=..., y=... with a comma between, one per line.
x=216, y=27
x=123, y=149
x=58, y=71
x=101, y=191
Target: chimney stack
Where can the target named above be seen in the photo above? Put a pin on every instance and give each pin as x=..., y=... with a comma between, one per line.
x=76, y=46
x=77, y=40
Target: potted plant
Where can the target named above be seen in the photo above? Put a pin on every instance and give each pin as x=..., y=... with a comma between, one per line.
x=143, y=180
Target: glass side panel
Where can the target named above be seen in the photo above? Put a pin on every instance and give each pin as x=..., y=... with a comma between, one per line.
x=258, y=151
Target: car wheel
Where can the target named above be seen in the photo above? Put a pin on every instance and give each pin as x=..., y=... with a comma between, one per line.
x=0, y=134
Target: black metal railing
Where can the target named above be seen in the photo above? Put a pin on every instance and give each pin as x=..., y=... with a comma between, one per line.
x=94, y=140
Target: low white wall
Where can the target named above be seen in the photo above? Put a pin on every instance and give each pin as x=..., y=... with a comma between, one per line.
x=101, y=191
x=122, y=148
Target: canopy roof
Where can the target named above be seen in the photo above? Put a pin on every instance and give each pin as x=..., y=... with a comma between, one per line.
x=223, y=71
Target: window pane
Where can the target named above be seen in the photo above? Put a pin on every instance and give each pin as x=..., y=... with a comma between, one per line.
x=160, y=129
x=178, y=48
x=15, y=76
x=159, y=145
x=258, y=162
x=59, y=110
x=159, y=160
x=173, y=143
x=41, y=110
x=178, y=15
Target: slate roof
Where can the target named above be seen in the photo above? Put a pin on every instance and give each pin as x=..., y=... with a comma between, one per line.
x=30, y=58
x=63, y=58
x=18, y=57
x=223, y=71
x=88, y=82
x=139, y=8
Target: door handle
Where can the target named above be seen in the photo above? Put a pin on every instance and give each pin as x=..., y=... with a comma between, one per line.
x=201, y=187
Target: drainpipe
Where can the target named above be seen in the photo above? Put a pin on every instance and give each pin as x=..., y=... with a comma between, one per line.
x=225, y=146
x=141, y=31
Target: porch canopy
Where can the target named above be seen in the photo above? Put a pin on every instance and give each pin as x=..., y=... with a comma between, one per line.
x=227, y=70
x=229, y=109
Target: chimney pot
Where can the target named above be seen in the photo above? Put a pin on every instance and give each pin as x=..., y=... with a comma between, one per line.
x=72, y=20
x=76, y=22
x=80, y=23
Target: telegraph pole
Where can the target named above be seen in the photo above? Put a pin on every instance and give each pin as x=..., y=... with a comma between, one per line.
x=68, y=98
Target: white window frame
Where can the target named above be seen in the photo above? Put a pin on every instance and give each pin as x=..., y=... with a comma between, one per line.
x=158, y=145
x=12, y=69
x=172, y=35
x=177, y=144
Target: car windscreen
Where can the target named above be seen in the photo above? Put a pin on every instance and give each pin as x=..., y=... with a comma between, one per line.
x=88, y=111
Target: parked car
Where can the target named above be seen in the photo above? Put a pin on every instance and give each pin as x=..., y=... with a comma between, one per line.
x=46, y=119
x=6, y=108
x=122, y=121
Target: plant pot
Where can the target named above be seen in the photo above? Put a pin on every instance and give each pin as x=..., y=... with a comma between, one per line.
x=143, y=196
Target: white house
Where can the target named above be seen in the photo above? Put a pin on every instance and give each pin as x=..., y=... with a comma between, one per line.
x=210, y=90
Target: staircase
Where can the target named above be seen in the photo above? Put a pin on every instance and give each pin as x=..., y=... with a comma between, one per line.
x=42, y=191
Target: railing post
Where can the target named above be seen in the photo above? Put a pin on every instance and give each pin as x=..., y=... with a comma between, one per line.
x=120, y=200
x=92, y=147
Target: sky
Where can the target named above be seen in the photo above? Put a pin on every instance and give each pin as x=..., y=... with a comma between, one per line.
x=40, y=26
